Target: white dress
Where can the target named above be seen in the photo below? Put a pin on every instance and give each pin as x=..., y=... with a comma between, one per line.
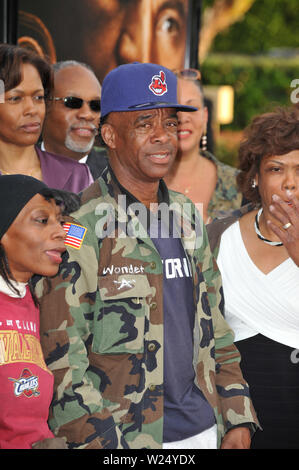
x=263, y=311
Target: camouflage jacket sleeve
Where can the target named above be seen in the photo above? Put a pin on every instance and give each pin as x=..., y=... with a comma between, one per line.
x=226, y=195
x=77, y=410
x=234, y=405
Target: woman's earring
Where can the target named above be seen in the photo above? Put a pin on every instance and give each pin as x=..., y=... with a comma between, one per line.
x=253, y=184
x=204, y=142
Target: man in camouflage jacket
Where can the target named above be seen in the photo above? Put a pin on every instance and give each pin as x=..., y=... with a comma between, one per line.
x=102, y=316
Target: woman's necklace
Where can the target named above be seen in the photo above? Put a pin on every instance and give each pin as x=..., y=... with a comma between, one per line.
x=28, y=172
x=257, y=230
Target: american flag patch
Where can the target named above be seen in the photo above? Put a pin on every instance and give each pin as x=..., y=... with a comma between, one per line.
x=75, y=235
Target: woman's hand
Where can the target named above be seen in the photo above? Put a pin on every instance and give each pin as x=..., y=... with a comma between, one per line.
x=287, y=227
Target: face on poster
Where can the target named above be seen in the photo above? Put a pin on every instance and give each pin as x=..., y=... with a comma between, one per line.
x=107, y=33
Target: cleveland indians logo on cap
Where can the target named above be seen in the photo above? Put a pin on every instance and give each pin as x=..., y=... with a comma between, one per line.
x=158, y=85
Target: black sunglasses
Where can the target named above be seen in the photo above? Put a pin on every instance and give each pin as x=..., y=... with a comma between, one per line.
x=76, y=103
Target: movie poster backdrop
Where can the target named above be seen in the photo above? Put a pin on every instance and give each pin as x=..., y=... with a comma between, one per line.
x=107, y=33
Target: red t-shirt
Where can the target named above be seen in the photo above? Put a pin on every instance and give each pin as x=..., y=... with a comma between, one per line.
x=26, y=384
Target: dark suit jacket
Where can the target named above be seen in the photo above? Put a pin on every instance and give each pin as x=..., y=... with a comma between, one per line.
x=97, y=161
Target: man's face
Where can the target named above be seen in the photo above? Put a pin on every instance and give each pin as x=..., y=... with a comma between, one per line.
x=143, y=144
x=122, y=31
x=67, y=131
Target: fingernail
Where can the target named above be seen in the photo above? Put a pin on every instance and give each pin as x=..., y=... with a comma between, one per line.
x=271, y=208
x=275, y=197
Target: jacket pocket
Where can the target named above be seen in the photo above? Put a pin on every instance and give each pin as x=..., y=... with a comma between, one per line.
x=120, y=323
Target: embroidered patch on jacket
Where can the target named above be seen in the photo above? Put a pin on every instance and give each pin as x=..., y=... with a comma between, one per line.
x=75, y=235
x=26, y=384
x=158, y=85
x=124, y=283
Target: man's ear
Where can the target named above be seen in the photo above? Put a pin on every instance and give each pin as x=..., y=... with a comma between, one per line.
x=108, y=135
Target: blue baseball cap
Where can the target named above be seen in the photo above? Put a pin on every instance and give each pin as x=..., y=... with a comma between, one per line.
x=138, y=86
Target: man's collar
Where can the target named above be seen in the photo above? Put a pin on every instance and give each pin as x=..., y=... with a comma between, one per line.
x=179, y=221
x=163, y=195
x=82, y=160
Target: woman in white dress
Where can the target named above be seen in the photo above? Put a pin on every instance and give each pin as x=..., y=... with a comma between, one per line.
x=257, y=250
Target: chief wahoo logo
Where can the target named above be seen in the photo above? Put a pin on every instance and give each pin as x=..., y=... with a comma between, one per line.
x=158, y=84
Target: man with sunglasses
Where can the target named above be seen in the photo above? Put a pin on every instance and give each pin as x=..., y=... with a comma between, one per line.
x=73, y=115
x=132, y=327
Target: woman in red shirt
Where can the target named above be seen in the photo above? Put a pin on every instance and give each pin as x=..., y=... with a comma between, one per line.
x=31, y=242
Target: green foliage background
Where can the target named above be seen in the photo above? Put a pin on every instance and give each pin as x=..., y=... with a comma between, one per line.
x=268, y=24
x=260, y=83
x=259, y=57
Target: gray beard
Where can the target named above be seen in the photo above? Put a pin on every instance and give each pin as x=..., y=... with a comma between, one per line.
x=77, y=147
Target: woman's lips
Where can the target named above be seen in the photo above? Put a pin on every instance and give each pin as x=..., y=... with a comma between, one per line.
x=184, y=134
x=32, y=127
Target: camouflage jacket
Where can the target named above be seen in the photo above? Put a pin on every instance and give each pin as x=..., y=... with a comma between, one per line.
x=102, y=330
x=226, y=195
